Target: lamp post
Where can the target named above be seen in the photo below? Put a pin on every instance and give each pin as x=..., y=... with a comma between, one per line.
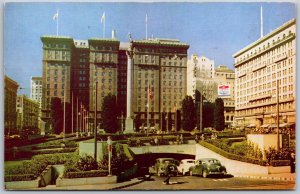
x=79, y=115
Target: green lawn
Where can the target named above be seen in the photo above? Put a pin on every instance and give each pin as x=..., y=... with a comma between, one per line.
x=13, y=163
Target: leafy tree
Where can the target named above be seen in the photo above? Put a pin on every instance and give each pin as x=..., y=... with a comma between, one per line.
x=178, y=116
x=163, y=121
x=188, y=114
x=208, y=114
x=137, y=122
x=219, y=120
x=109, y=114
x=197, y=108
x=57, y=115
x=169, y=121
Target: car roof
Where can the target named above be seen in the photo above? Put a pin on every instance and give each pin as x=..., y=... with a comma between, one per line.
x=208, y=159
x=188, y=160
x=165, y=159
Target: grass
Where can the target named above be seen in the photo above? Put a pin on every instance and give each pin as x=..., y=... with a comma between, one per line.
x=13, y=163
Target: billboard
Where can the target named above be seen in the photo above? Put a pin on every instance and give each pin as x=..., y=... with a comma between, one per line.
x=223, y=91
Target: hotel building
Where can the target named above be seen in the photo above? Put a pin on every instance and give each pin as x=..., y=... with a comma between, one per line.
x=262, y=67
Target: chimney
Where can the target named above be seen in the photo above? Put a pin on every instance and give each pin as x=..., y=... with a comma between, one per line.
x=113, y=34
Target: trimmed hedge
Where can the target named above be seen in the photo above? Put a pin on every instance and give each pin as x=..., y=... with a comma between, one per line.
x=232, y=156
x=55, y=151
x=36, y=166
x=55, y=144
x=280, y=163
x=19, y=177
x=84, y=174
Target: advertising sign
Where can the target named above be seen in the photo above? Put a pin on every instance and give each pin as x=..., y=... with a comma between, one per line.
x=223, y=91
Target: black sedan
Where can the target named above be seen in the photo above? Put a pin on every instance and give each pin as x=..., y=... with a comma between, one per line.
x=206, y=167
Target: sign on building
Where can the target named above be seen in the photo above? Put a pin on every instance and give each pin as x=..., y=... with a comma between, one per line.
x=223, y=91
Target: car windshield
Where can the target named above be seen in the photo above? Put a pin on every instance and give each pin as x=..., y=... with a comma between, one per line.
x=214, y=161
x=190, y=161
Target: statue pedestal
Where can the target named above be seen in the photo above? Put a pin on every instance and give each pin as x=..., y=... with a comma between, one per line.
x=129, y=126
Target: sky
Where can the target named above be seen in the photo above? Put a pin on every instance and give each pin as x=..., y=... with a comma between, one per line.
x=214, y=30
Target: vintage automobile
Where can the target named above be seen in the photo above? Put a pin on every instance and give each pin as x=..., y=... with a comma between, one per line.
x=185, y=165
x=207, y=166
x=160, y=166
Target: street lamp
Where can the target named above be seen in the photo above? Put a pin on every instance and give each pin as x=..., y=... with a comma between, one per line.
x=79, y=127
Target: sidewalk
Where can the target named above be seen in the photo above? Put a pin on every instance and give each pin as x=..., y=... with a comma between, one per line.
x=280, y=176
x=112, y=186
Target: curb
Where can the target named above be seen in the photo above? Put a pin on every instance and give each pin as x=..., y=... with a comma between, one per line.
x=267, y=177
x=127, y=185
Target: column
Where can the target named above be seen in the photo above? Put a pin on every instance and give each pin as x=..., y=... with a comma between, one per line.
x=129, y=115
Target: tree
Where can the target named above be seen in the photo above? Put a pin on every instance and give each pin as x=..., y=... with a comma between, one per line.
x=219, y=122
x=56, y=115
x=137, y=122
x=109, y=114
x=178, y=117
x=163, y=121
x=188, y=113
x=197, y=108
x=208, y=114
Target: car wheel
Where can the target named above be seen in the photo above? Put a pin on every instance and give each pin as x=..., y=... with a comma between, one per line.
x=191, y=173
x=204, y=173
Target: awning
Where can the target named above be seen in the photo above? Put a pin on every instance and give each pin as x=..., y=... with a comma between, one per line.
x=265, y=126
x=282, y=125
x=251, y=125
x=273, y=126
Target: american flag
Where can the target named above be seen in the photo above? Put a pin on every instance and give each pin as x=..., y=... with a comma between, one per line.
x=150, y=93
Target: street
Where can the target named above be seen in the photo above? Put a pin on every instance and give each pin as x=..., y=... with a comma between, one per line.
x=212, y=183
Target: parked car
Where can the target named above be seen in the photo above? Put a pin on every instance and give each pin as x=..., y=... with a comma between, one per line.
x=207, y=166
x=160, y=166
x=185, y=165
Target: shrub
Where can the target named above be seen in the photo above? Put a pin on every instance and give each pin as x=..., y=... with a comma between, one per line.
x=282, y=154
x=19, y=177
x=65, y=150
x=231, y=155
x=280, y=163
x=83, y=174
x=86, y=163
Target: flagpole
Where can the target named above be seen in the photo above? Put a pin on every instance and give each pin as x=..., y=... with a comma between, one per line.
x=64, y=127
x=148, y=107
x=261, y=22
x=146, y=27
x=72, y=114
x=57, y=23
x=77, y=118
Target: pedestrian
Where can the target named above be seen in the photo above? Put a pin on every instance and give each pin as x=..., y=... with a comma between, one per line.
x=293, y=162
x=168, y=174
x=181, y=139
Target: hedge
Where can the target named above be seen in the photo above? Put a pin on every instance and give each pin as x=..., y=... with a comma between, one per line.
x=19, y=177
x=232, y=156
x=54, y=151
x=84, y=174
x=36, y=165
x=55, y=144
x=280, y=163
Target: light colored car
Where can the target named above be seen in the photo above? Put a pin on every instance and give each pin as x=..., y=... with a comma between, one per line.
x=207, y=166
x=185, y=165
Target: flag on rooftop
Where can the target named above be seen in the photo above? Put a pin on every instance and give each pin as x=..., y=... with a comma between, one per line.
x=103, y=17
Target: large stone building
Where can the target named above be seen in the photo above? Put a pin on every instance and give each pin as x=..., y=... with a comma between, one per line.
x=36, y=85
x=160, y=64
x=74, y=67
x=10, y=99
x=199, y=69
x=226, y=76
x=27, y=113
x=262, y=67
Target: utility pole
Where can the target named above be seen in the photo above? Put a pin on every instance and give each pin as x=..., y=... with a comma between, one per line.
x=278, y=139
x=95, y=123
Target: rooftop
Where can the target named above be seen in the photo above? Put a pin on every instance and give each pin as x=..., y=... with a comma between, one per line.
x=161, y=41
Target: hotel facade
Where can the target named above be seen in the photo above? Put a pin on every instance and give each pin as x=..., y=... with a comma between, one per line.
x=262, y=67
x=71, y=69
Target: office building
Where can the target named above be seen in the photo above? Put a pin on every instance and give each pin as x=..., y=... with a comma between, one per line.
x=262, y=68
x=27, y=113
x=10, y=112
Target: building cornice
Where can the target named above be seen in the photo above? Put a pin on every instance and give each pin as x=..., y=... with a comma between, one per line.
x=273, y=33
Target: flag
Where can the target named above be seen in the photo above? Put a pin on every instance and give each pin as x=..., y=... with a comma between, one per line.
x=103, y=17
x=150, y=93
x=55, y=17
x=146, y=18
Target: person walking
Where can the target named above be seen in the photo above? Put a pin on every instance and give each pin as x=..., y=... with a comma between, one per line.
x=293, y=162
x=181, y=139
x=168, y=174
